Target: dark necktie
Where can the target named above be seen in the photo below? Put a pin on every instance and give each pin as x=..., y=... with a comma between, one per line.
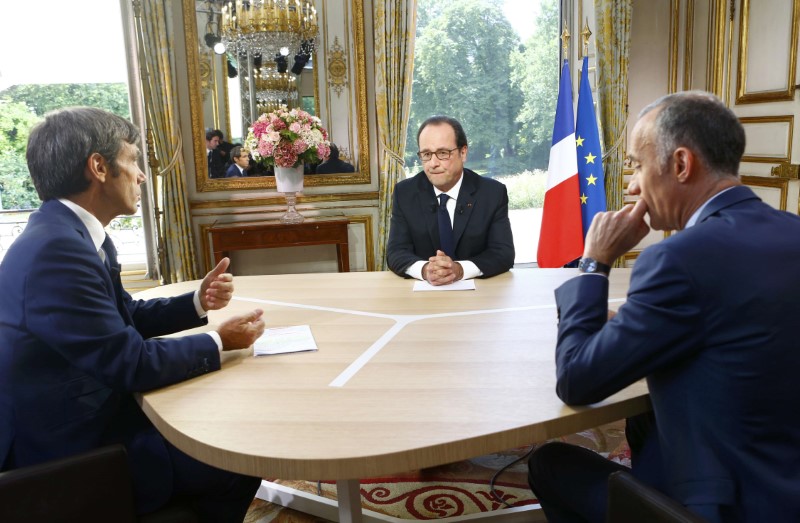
x=104, y=256
x=111, y=252
x=445, y=227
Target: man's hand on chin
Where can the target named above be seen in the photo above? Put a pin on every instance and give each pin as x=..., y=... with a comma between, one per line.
x=442, y=270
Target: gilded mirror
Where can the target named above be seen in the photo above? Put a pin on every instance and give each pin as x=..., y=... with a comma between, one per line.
x=339, y=101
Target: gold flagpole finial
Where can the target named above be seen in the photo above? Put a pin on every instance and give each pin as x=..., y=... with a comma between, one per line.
x=565, y=40
x=586, y=33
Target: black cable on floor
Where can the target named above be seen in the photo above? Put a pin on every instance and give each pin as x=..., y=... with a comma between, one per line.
x=491, y=481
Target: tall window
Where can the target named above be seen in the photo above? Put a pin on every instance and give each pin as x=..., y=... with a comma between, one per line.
x=68, y=67
x=492, y=65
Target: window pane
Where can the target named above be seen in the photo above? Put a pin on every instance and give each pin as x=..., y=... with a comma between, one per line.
x=492, y=65
x=29, y=88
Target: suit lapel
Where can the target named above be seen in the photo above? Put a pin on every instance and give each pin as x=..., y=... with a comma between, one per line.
x=54, y=208
x=464, y=205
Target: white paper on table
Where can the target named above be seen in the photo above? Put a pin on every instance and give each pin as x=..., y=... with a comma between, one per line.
x=281, y=340
x=460, y=285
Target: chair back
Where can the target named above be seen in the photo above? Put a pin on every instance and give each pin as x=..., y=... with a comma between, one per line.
x=630, y=501
x=90, y=487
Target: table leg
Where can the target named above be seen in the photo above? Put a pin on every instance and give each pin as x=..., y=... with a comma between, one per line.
x=343, y=257
x=348, y=492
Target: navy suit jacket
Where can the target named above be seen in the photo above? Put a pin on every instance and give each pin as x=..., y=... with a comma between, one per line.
x=234, y=171
x=74, y=347
x=334, y=166
x=481, y=229
x=216, y=163
x=710, y=321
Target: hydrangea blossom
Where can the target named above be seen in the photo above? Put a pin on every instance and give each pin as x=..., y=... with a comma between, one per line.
x=285, y=138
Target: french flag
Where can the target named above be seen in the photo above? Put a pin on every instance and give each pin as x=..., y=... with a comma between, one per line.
x=561, y=238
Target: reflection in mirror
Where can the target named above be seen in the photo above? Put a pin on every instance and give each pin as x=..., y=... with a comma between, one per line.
x=255, y=74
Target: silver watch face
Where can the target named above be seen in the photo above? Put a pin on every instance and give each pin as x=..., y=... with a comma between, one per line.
x=588, y=265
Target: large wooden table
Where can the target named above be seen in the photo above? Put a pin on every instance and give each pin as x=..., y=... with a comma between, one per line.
x=402, y=380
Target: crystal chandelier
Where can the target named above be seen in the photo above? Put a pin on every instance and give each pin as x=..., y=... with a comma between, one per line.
x=265, y=26
x=274, y=88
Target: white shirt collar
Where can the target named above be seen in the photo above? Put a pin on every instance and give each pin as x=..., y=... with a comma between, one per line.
x=93, y=225
x=453, y=192
x=696, y=215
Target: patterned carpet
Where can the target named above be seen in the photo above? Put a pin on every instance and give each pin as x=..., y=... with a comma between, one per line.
x=455, y=489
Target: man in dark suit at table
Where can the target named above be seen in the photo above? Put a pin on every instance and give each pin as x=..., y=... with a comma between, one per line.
x=334, y=164
x=241, y=163
x=215, y=156
x=448, y=223
x=75, y=347
x=709, y=322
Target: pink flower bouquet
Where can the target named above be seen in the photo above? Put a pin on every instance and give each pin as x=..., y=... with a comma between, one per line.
x=285, y=138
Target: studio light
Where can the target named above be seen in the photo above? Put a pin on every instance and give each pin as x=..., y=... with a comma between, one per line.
x=233, y=72
x=300, y=61
x=212, y=40
x=303, y=56
x=282, y=63
x=215, y=42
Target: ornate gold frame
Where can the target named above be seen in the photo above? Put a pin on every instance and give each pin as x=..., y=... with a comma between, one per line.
x=206, y=184
x=788, y=119
x=787, y=93
x=782, y=184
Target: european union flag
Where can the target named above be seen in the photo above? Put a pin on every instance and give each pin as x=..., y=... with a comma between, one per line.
x=590, y=157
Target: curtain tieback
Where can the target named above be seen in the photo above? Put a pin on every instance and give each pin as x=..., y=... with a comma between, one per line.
x=396, y=157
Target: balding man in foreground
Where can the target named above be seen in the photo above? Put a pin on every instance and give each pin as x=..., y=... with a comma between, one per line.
x=709, y=322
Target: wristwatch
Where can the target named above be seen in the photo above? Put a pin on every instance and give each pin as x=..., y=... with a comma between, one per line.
x=590, y=266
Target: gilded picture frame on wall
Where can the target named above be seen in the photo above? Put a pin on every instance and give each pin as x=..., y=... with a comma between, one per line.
x=202, y=88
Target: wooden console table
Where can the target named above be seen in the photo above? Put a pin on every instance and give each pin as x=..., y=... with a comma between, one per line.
x=232, y=237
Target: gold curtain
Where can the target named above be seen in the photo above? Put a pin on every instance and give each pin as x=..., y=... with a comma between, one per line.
x=395, y=26
x=613, y=52
x=157, y=64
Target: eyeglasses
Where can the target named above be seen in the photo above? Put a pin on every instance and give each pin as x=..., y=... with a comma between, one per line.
x=444, y=154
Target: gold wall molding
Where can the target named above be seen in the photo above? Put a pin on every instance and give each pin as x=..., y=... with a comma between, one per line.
x=788, y=120
x=716, y=48
x=731, y=17
x=629, y=258
x=784, y=93
x=786, y=170
x=337, y=68
x=782, y=184
x=674, y=31
x=361, y=84
x=364, y=220
x=280, y=200
x=687, y=46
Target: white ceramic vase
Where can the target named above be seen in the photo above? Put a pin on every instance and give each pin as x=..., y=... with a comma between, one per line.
x=289, y=181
